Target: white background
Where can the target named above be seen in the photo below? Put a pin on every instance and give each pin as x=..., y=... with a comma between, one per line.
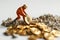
x=35, y=8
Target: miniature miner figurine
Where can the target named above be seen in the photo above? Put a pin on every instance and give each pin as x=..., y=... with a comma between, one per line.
x=21, y=12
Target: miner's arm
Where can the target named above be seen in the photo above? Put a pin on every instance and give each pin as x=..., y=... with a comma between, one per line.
x=23, y=12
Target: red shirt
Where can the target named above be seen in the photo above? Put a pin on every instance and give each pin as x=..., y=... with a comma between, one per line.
x=20, y=11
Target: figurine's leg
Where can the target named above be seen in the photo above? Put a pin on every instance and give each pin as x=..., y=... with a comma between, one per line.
x=18, y=16
x=24, y=18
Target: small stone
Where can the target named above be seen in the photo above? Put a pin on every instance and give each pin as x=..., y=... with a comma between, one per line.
x=32, y=37
x=35, y=31
x=56, y=33
x=6, y=34
x=13, y=36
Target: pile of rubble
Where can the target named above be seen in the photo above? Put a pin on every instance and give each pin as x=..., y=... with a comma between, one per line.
x=50, y=20
x=46, y=26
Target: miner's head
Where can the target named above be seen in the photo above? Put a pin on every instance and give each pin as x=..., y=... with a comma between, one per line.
x=24, y=6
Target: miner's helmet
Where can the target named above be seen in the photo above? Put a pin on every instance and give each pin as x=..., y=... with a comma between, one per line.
x=24, y=6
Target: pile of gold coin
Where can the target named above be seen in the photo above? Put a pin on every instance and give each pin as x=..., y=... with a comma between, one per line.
x=34, y=31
